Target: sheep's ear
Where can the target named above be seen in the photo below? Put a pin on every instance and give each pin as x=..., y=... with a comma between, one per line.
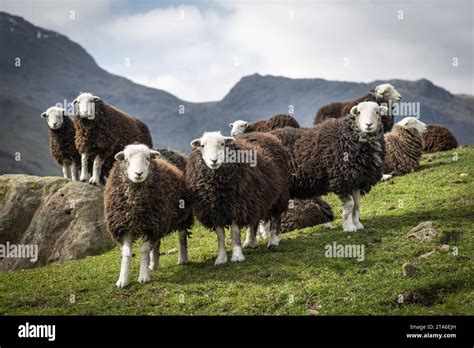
x=154, y=153
x=383, y=110
x=229, y=140
x=354, y=110
x=196, y=143
x=120, y=156
x=246, y=124
x=231, y=125
x=96, y=98
x=43, y=115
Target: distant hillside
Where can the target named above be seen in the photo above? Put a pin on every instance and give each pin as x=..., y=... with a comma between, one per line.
x=54, y=68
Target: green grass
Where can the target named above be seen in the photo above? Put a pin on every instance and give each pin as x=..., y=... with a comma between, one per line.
x=295, y=279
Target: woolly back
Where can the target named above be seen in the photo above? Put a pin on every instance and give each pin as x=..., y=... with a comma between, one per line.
x=404, y=150
x=438, y=138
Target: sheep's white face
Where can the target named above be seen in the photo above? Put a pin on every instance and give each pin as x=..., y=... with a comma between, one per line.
x=137, y=158
x=212, y=147
x=85, y=105
x=238, y=127
x=413, y=123
x=54, y=117
x=388, y=92
x=368, y=115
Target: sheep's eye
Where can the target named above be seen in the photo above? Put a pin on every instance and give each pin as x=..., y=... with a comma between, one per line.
x=241, y=126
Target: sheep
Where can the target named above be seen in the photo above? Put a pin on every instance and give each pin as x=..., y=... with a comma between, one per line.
x=342, y=155
x=403, y=147
x=61, y=140
x=381, y=94
x=438, y=138
x=274, y=122
x=145, y=197
x=234, y=183
x=102, y=131
x=273, y=148
x=305, y=213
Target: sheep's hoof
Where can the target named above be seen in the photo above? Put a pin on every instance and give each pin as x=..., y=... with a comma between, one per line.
x=94, y=181
x=250, y=244
x=183, y=262
x=349, y=228
x=359, y=226
x=121, y=283
x=237, y=255
x=144, y=278
x=274, y=242
x=220, y=261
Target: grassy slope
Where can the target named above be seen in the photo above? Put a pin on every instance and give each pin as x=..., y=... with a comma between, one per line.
x=297, y=278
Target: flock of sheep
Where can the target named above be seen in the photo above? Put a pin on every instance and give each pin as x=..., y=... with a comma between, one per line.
x=267, y=176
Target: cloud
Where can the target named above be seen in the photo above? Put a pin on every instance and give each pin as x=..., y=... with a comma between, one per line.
x=198, y=52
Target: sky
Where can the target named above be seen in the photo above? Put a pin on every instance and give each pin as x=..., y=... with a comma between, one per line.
x=198, y=50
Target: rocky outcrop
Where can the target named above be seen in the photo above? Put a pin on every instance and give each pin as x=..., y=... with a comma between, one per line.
x=60, y=218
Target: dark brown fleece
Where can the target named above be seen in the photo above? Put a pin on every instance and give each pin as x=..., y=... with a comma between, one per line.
x=306, y=213
x=341, y=109
x=334, y=157
x=150, y=209
x=108, y=133
x=273, y=148
x=174, y=157
x=235, y=191
x=404, y=150
x=62, y=145
x=438, y=138
x=274, y=122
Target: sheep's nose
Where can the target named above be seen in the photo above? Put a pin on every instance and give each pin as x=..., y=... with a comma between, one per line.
x=139, y=174
x=368, y=125
x=214, y=161
x=55, y=124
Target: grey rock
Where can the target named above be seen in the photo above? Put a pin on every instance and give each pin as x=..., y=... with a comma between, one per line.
x=63, y=218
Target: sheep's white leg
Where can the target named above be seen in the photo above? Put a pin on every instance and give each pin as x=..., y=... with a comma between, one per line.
x=356, y=211
x=66, y=171
x=221, y=253
x=237, y=255
x=144, y=276
x=155, y=256
x=386, y=177
x=183, y=247
x=250, y=238
x=84, y=170
x=96, y=169
x=274, y=227
x=74, y=171
x=347, y=223
x=264, y=230
x=124, y=278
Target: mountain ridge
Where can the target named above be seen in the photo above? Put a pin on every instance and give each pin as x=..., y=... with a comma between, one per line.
x=55, y=68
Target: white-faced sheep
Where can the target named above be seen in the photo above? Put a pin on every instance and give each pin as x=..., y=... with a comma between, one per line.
x=61, y=141
x=145, y=197
x=342, y=155
x=233, y=183
x=403, y=147
x=101, y=131
x=438, y=138
x=384, y=94
x=274, y=122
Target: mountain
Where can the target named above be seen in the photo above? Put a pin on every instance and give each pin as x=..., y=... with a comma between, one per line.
x=53, y=69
